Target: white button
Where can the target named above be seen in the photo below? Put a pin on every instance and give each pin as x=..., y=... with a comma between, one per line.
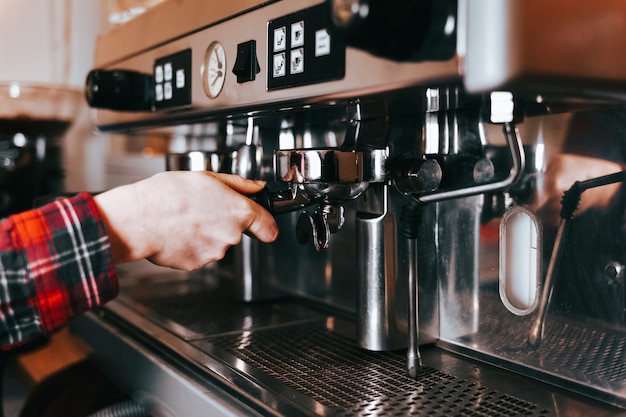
x=297, y=61
x=322, y=42
x=168, y=72
x=167, y=91
x=279, y=65
x=158, y=74
x=180, y=78
x=158, y=92
x=297, y=34
x=280, y=39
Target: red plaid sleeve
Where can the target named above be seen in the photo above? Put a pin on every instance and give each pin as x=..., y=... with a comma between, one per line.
x=55, y=263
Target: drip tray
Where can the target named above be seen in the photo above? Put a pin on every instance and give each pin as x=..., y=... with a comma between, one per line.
x=336, y=378
x=286, y=357
x=586, y=356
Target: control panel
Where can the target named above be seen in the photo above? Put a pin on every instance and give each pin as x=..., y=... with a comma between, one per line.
x=304, y=48
x=172, y=80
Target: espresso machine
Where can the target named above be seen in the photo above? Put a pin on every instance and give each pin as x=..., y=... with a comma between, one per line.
x=405, y=145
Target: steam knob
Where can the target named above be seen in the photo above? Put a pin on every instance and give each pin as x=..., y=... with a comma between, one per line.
x=119, y=90
x=403, y=30
x=413, y=175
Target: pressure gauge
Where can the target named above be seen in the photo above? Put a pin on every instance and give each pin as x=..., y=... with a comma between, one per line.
x=214, y=69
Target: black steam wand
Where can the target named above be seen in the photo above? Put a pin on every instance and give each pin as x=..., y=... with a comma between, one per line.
x=569, y=204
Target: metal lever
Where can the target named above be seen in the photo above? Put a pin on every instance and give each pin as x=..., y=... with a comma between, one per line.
x=569, y=204
x=516, y=148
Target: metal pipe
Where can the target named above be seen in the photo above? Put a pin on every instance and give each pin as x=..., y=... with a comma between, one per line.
x=514, y=143
x=414, y=364
x=536, y=331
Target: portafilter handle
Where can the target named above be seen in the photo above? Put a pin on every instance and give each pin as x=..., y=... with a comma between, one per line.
x=282, y=201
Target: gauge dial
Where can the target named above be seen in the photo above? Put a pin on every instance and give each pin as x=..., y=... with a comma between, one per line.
x=214, y=69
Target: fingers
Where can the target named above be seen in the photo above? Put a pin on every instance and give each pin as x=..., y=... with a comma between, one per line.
x=258, y=222
x=240, y=184
x=262, y=225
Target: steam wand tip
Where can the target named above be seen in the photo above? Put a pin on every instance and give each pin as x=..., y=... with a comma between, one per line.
x=414, y=365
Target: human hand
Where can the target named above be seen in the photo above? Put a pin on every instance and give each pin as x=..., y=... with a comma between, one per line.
x=183, y=219
x=561, y=173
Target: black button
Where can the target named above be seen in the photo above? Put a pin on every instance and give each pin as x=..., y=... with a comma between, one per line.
x=246, y=66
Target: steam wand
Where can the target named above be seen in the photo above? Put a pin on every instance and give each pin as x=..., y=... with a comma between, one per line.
x=410, y=220
x=569, y=204
x=425, y=176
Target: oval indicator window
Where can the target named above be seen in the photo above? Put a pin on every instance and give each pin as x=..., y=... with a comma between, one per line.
x=520, y=260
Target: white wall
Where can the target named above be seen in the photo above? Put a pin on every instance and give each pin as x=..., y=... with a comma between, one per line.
x=52, y=42
x=49, y=41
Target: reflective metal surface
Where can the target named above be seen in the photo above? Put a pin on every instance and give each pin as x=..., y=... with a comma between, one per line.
x=285, y=358
x=331, y=174
x=301, y=166
x=215, y=161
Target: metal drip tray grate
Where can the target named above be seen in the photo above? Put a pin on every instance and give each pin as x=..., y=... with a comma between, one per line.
x=588, y=353
x=348, y=381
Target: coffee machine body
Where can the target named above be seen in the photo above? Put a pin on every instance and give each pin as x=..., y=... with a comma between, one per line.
x=411, y=172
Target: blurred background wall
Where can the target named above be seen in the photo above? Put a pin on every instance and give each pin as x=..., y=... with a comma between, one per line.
x=52, y=42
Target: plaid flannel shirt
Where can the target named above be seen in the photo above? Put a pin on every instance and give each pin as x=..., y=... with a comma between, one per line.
x=55, y=263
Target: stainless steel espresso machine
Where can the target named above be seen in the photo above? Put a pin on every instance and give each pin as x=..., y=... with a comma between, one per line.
x=408, y=147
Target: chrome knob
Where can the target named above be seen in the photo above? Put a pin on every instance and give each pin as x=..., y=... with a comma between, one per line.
x=414, y=175
x=615, y=272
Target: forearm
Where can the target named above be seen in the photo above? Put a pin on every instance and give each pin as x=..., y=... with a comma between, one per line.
x=55, y=263
x=119, y=209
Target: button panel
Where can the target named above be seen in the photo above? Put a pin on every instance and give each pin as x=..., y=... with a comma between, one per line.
x=172, y=80
x=304, y=49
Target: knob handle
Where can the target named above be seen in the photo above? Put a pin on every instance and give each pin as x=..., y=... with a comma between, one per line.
x=403, y=30
x=415, y=175
x=119, y=90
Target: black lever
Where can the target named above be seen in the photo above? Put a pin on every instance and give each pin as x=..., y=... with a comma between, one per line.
x=282, y=201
